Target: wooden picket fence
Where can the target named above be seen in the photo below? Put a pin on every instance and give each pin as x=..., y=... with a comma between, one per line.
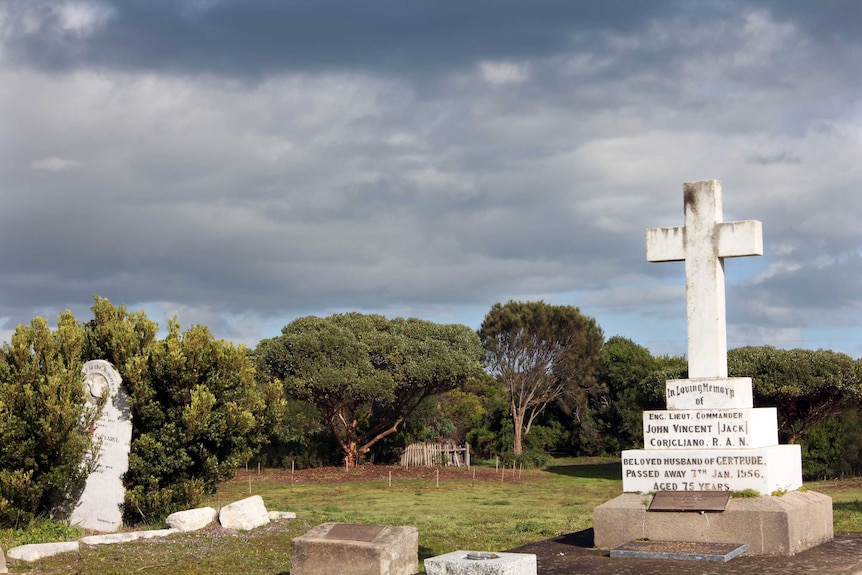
x=435, y=454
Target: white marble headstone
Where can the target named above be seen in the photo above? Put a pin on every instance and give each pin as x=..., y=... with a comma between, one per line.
x=100, y=506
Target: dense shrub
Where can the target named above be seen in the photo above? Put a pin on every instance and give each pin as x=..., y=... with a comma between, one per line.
x=43, y=422
x=833, y=447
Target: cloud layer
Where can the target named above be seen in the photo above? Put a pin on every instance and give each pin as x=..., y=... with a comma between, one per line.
x=240, y=164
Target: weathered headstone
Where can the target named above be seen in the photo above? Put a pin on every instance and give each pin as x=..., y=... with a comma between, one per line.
x=356, y=549
x=100, y=507
x=3, y=568
x=711, y=438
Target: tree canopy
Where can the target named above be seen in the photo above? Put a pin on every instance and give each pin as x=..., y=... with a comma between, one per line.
x=365, y=373
x=806, y=386
x=541, y=353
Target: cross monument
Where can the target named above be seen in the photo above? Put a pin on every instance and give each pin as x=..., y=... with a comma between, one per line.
x=703, y=243
x=711, y=437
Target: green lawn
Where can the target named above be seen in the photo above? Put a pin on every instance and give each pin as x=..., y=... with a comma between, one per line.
x=487, y=513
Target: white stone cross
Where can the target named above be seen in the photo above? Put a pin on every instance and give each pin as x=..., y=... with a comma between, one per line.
x=703, y=243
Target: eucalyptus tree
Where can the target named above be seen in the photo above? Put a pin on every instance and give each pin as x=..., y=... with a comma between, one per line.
x=541, y=353
x=366, y=374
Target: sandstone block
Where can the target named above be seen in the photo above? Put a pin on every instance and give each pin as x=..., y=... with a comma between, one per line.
x=767, y=525
x=244, y=514
x=356, y=549
x=192, y=519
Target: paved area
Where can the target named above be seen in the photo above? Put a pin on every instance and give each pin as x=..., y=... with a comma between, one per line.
x=573, y=554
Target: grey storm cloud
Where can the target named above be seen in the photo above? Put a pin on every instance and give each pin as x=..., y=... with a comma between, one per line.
x=246, y=162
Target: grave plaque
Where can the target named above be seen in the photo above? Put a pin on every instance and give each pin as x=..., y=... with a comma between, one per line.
x=689, y=501
x=100, y=505
x=354, y=532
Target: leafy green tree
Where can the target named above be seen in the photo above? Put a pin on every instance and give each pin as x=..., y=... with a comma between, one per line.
x=46, y=451
x=806, y=386
x=367, y=374
x=490, y=432
x=541, y=353
x=833, y=447
x=616, y=413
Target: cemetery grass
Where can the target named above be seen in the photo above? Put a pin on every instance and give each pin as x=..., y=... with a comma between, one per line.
x=497, y=510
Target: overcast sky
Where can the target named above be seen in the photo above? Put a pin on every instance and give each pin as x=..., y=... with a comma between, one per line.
x=242, y=163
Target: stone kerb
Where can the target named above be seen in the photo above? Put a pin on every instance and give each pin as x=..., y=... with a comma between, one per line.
x=100, y=506
x=36, y=551
x=113, y=538
x=179, y=522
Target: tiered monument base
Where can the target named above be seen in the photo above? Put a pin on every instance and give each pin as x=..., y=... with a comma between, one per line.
x=768, y=525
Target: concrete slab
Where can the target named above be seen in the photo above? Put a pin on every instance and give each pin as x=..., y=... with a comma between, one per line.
x=574, y=553
x=680, y=550
x=481, y=563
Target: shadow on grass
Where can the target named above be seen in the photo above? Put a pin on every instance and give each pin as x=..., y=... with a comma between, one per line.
x=850, y=506
x=425, y=552
x=611, y=471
